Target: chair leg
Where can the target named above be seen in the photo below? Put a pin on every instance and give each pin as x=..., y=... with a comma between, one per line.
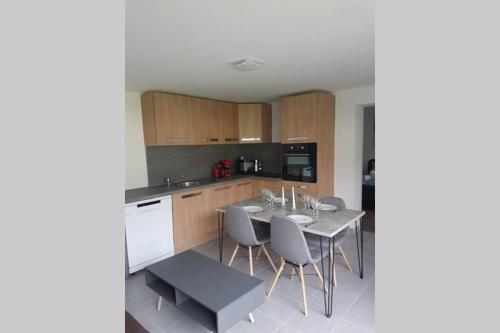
x=234, y=253
x=250, y=259
x=158, y=305
x=303, y=288
x=334, y=276
x=348, y=264
x=258, y=253
x=250, y=315
x=276, y=277
x=263, y=247
x=320, y=277
x=293, y=272
x=331, y=254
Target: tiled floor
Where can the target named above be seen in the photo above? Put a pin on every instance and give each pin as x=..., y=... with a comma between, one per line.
x=354, y=298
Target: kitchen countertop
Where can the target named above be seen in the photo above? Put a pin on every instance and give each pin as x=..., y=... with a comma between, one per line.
x=156, y=191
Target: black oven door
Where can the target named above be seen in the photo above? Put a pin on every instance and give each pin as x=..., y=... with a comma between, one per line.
x=299, y=163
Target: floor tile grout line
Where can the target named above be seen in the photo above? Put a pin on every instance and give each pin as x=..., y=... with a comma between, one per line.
x=151, y=321
x=353, y=323
x=171, y=325
x=283, y=323
x=354, y=302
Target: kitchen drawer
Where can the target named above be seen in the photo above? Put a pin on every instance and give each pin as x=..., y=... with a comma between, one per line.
x=301, y=188
x=260, y=184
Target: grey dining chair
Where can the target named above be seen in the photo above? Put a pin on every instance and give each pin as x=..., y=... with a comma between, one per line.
x=288, y=241
x=339, y=238
x=240, y=228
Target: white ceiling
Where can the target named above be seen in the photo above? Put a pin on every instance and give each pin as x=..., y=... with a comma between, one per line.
x=185, y=46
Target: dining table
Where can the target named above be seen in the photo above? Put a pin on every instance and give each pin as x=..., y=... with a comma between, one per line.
x=326, y=224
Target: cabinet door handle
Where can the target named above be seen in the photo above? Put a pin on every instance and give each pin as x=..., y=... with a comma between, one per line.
x=222, y=188
x=250, y=139
x=244, y=184
x=231, y=139
x=191, y=195
x=297, y=138
x=176, y=139
x=148, y=203
x=303, y=187
x=204, y=140
x=214, y=139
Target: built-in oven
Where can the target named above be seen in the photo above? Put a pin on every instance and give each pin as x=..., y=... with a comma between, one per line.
x=298, y=162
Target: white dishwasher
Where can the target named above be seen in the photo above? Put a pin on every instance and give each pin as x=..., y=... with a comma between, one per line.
x=148, y=232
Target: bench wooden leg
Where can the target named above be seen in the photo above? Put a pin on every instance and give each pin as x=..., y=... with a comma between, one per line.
x=250, y=259
x=158, y=305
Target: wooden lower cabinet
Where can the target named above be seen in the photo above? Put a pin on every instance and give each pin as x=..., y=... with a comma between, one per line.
x=195, y=215
x=301, y=188
x=243, y=190
x=192, y=223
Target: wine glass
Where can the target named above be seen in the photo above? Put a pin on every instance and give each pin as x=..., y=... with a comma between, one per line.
x=306, y=198
x=271, y=198
x=316, y=206
x=265, y=195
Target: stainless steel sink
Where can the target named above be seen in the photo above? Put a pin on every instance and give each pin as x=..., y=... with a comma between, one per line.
x=187, y=184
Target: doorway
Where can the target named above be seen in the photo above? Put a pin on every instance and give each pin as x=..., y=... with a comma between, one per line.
x=368, y=176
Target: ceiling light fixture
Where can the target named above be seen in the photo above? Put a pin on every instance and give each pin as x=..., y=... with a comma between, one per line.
x=247, y=64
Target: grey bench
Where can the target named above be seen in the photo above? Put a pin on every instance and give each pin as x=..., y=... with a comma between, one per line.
x=213, y=294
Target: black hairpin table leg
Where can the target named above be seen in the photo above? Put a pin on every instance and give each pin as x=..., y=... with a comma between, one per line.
x=358, y=246
x=328, y=296
x=220, y=221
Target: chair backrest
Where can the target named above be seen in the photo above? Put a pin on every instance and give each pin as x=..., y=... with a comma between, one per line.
x=340, y=204
x=288, y=241
x=239, y=226
x=336, y=201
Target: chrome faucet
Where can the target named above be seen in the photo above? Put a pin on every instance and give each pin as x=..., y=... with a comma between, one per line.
x=167, y=179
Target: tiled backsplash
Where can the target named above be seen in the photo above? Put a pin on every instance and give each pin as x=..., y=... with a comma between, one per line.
x=195, y=162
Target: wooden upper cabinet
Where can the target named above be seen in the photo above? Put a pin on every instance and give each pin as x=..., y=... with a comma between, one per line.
x=230, y=126
x=170, y=119
x=254, y=123
x=299, y=118
x=148, y=119
x=166, y=119
x=207, y=121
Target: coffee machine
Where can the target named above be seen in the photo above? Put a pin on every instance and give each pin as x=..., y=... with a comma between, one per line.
x=222, y=169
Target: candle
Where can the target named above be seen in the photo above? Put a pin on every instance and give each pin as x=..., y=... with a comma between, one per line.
x=282, y=196
x=293, y=198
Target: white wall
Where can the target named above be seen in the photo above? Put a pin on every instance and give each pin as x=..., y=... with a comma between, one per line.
x=135, y=152
x=349, y=142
